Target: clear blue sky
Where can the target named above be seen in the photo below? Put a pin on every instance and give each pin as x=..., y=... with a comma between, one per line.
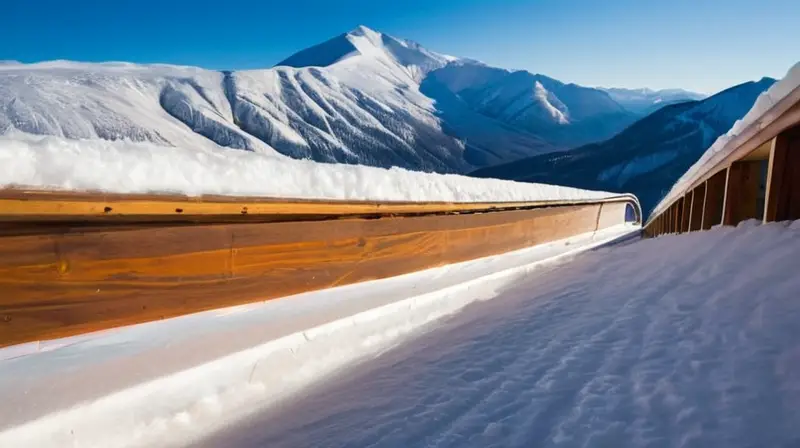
x=702, y=45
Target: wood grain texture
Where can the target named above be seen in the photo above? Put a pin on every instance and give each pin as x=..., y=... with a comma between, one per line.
x=46, y=206
x=69, y=282
x=741, y=196
x=783, y=178
x=715, y=197
x=696, y=212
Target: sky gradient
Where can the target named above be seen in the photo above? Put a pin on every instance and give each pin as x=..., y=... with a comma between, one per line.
x=698, y=45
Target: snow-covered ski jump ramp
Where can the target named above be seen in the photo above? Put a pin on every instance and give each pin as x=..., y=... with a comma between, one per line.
x=145, y=320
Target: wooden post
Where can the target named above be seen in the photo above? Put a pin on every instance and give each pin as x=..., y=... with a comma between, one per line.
x=715, y=197
x=676, y=223
x=698, y=199
x=782, y=200
x=685, y=211
x=741, y=192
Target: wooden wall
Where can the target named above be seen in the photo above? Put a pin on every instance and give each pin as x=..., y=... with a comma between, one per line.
x=69, y=281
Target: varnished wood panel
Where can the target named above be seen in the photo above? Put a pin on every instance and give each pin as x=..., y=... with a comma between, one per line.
x=696, y=213
x=686, y=212
x=45, y=206
x=783, y=178
x=61, y=284
x=611, y=214
x=715, y=196
x=741, y=195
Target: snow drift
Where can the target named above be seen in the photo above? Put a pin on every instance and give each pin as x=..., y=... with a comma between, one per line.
x=138, y=167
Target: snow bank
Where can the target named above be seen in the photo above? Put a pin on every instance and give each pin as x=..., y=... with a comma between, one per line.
x=723, y=145
x=163, y=392
x=139, y=167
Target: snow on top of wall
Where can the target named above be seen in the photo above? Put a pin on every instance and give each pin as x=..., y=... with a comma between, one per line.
x=725, y=144
x=48, y=162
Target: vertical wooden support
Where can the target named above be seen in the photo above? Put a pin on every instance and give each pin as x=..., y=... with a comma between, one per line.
x=715, y=197
x=678, y=224
x=741, y=192
x=696, y=215
x=782, y=200
x=685, y=211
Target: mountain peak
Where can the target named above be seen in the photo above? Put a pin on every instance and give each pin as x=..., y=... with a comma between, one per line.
x=363, y=30
x=366, y=44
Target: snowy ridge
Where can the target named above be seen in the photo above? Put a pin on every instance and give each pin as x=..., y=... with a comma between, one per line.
x=363, y=97
x=355, y=99
x=647, y=157
x=138, y=167
x=727, y=143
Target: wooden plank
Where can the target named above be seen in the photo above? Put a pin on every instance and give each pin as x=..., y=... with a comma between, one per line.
x=696, y=214
x=29, y=206
x=741, y=192
x=783, y=178
x=676, y=226
x=715, y=197
x=63, y=284
x=686, y=208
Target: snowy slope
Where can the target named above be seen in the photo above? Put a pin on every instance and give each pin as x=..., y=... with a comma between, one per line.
x=138, y=167
x=647, y=101
x=679, y=341
x=645, y=158
x=360, y=98
x=162, y=104
x=563, y=114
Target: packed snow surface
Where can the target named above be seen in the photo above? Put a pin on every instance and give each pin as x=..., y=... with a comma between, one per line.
x=727, y=143
x=139, y=167
x=678, y=341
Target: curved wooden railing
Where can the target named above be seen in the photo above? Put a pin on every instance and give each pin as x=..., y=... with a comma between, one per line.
x=77, y=262
x=758, y=179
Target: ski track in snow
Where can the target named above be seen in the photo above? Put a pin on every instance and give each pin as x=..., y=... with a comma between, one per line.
x=679, y=341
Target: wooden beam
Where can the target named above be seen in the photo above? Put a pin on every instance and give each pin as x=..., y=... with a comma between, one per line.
x=783, y=178
x=741, y=192
x=33, y=206
x=698, y=200
x=685, y=212
x=715, y=197
x=678, y=223
x=65, y=283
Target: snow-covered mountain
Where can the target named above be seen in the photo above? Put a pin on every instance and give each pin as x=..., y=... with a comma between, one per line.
x=563, y=114
x=647, y=101
x=362, y=98
x=647, y=157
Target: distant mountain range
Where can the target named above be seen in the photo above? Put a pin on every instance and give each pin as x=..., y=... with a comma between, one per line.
x=362, y=97
x=647, y=157
x=647, y=101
